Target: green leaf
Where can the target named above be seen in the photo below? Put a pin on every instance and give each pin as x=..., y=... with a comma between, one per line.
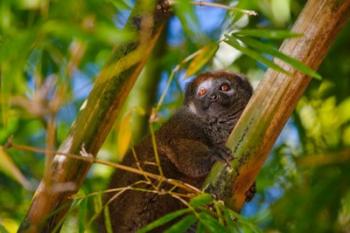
x=82, y=216
x=3, y=229
x=106, y=33
x=124, y=135
x=281, y=12
x=185, y=8
x=163, y=220
x=211, y=223
x=97, y=203
x=276, y=53
x=237, y=15
x=246, y=224
x=107, y=218
x=185, y=11
x=204, y=55
x=255, y=55
x=8, y=167
x=267, y=33
x=182, y=225
x=121, y=4
x=201, y=200
x=250, y=228
x=200, y=228
x=230, y=224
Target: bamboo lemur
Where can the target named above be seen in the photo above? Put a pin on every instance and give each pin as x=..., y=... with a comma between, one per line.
x=188, y=145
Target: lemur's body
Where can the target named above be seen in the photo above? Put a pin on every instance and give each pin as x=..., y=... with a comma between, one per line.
x=188, y=145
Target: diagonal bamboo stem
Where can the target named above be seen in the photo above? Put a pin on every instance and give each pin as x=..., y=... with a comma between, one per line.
x=275, y=99
x=96, y=118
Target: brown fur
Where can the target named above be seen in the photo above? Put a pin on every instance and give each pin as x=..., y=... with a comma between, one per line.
x=188, y=145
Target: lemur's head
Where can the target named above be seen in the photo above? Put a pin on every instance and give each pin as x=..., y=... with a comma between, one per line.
x=215, y=94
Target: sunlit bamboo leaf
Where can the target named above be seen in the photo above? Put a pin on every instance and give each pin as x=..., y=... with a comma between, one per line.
x=124, y=135
x=344, y=111
x=97, y=203
x=201, y=200
x=31, y=4
x=17, y=46
x=204, y=55
x=121, y=4
x=111, y=35
x=268, y=33
x=255, y=55
x=63, y=29
x=276, y=53
x=8, y=167
x=182, y=225
x=101, y=32
x=165, y=219
x=280, y=10
x=107, y=219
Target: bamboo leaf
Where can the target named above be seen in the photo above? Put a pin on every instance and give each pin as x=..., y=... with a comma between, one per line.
x=248, y=225
x=276, y=53
x=121, y=4
x=201, y=200
x=182, y=225
x=105, y=33
x=211, y=223
x=267, y=33
x=229, y=220
x=97, y=203
x=203, y=56
x=9, y=167
x=124, y=135
x=185, y=9
x=82, y=216
x=3, y=229
x=107, y=218
x=255, y=55
x=161, y=221
x=281, y=11
x=200, y=228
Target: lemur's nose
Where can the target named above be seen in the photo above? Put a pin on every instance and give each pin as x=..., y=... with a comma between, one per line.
x=213, y=97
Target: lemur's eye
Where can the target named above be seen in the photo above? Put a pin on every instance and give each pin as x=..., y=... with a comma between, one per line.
x=225, y=87
x=202, y=91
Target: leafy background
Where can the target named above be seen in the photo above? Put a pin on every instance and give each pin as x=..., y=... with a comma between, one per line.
x=52, y=51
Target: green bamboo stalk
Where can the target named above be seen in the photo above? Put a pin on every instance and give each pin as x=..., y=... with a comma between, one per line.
x=95, y=119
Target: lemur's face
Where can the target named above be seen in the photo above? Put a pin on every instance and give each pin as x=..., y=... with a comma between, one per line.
x=218, y=94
